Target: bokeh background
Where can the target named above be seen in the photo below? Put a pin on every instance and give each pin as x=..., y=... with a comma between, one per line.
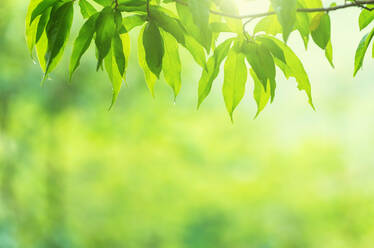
x=152, y=173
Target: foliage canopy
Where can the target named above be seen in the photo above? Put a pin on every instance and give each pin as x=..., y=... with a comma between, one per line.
x=196, y=25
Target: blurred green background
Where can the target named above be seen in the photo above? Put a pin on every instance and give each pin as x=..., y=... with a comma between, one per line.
x=151, y=173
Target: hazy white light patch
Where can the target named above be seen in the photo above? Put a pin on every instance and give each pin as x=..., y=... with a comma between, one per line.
x=252, y=6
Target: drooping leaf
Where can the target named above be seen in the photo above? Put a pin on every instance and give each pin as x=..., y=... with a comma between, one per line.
x=235, y=79
x=286, y=13
x=82, y=43
x=41, y=7
x=366, y=17
x=320, y=27
x=169, y=24
x=329, y=54
x=150, y=77
x=114, y=74
x=294, y=68
x=105, y=30
x=211, y=73
x=361, y=51
x=201, y=35
x=154, y=47
x=57, y=31
x=44, y=18
x=171, y=64
x=261, y=61
x=260, y=94
x=118, y=53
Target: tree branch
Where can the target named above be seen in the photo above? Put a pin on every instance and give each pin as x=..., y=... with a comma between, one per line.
x=358, y=4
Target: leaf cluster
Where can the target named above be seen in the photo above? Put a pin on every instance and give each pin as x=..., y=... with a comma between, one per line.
x=197, y=26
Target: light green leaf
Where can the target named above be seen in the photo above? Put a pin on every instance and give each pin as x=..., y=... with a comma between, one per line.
x=320, y=27
x=260, y=94
x=196, y=51
x=329, y=54
x=171, y=64
x=212, y=71
x=235, y=79
x=286, y=13
x=269, y=25
x=86, y=8
x=114, y=74
x=366, y=17
x=294, y=68
x=361, y=51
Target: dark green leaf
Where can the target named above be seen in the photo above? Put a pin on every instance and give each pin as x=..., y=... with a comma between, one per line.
x=58, y=30
x=82, y=43
x=105, y=30
x=154, y=47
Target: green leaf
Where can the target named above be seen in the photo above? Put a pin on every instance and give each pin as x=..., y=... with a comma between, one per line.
x=150, y=77
x=31, y=29
x=212, y=71
x=41, y=7
x=261, y=60
x=130, y=22
x=260, y=94
x=200, y=14
x=86, y=8
x=154, y=47
x=275, y=50
x=105, y=30
x=286, y=13
x=118, y=53
x=294, y=68
x=196, y=51
x=302, y=25
x=320, y=27
x=44, y=18
x=58, y=30
x=269, y=25
x=82, y=43
x=169, y=24
x=235, y=79
x=171, y=64
x=329, y=55
x=361, y=51
x=366, y=17
x=201, y=35
x=114, y=75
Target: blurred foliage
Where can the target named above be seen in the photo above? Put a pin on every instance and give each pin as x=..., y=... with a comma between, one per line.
x=154, y=174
